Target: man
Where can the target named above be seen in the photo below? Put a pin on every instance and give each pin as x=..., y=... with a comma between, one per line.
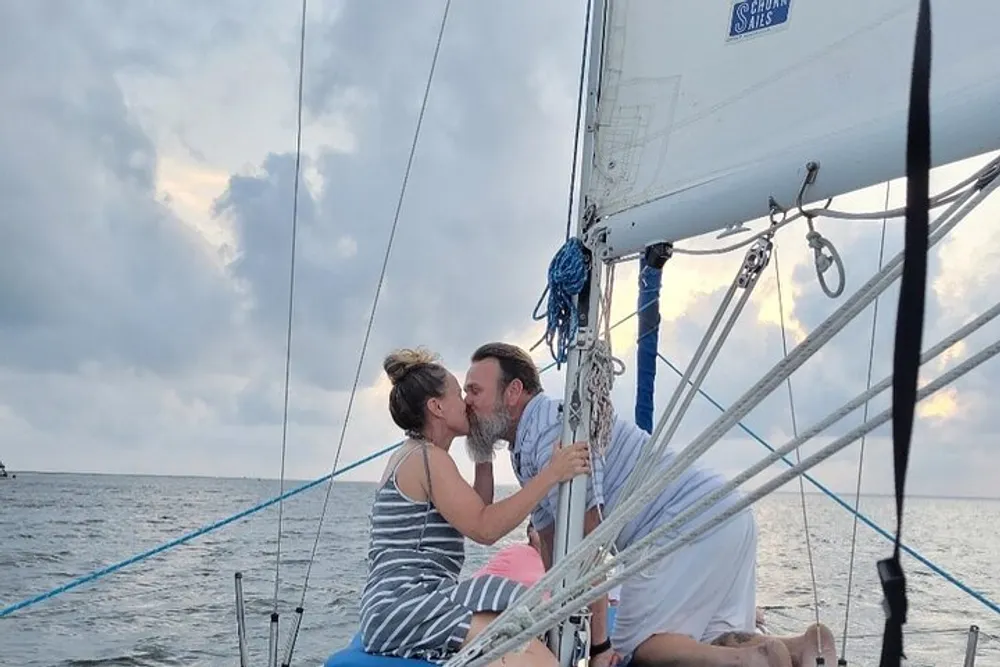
x=696, y=606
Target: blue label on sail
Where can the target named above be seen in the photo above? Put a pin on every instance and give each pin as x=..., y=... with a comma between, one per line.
x=756, y=17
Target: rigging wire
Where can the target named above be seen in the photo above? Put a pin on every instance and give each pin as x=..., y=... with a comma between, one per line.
x=378, y=291
x=291, y=301
x=861, y=454
x=798, y=455
x=580, y=103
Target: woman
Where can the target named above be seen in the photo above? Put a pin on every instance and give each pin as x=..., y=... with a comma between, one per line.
x=413, y=605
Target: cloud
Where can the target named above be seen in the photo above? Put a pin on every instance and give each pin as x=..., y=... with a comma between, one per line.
x=147, y=168
x=95, y=267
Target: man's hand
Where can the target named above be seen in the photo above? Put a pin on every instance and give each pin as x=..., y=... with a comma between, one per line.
x=607, y=659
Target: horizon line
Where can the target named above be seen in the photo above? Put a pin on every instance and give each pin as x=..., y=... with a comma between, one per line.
x=289, y=480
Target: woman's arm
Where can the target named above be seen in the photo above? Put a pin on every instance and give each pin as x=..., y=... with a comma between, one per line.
x=486, y=523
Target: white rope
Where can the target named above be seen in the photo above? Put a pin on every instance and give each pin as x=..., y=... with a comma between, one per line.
x=606, y=531
x=945, y=198
x=605, y=311
x=603, y=367
x=823, y=262
x=513, y=628
x=601, y=372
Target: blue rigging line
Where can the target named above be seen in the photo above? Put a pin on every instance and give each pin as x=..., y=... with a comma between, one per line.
x=864, y=519
x=110, y=569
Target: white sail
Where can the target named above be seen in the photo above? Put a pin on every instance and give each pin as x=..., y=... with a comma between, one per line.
x=708, y=108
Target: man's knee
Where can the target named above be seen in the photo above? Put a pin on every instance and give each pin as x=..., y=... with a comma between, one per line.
x=737, y=638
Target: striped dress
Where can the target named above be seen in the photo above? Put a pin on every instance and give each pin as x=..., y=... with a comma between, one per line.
x=413, y=605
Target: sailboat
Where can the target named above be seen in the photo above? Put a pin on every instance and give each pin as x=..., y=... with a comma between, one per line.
x=743, y=117
x=3, y=471
x=746, y=119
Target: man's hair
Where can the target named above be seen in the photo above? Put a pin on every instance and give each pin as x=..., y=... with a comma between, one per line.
x=515, y=364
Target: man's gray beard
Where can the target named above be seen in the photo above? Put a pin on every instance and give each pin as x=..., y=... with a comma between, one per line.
x=485, y=431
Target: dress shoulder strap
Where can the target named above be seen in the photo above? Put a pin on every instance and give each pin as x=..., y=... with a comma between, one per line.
x=427, y=470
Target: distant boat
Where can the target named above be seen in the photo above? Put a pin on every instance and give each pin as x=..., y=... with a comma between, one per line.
x=3, y=472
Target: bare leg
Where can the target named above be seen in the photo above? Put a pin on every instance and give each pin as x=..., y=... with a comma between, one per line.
x=739, y=650
x=536, y=654
x=737, y=639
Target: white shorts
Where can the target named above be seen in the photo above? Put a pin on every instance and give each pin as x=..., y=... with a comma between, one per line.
x=701, y=590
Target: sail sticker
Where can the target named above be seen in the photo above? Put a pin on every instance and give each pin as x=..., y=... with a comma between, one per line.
x=750, y=18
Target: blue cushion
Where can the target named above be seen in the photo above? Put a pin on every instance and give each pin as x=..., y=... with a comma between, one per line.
x=354, y=656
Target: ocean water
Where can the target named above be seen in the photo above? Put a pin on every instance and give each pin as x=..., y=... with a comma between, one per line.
x=178, y=608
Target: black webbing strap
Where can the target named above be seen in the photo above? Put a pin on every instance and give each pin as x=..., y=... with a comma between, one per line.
x=909, y=323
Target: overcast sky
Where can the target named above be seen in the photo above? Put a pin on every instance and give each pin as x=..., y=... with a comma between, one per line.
x=146, y=168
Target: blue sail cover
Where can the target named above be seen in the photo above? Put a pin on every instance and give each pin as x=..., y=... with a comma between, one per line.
x=650, y=276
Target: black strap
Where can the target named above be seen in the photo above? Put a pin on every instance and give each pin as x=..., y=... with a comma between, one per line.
x=909, y=323
x=597, y=649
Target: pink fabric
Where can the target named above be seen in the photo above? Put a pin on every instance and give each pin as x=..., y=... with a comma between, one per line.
x=519, y=562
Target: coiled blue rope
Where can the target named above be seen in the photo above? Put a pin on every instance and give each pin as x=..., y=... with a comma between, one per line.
x=110, y=569
x=568, y=273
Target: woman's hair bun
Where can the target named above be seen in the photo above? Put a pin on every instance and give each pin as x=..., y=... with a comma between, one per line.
x=398, y=364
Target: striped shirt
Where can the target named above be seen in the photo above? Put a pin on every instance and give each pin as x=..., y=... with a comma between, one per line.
x=413, y=604
x=540, y=428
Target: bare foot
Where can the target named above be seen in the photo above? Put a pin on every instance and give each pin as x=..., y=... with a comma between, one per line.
x=769, y=653
x=809, y=650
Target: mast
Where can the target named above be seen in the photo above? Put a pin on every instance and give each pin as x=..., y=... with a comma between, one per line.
x=576, y=413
